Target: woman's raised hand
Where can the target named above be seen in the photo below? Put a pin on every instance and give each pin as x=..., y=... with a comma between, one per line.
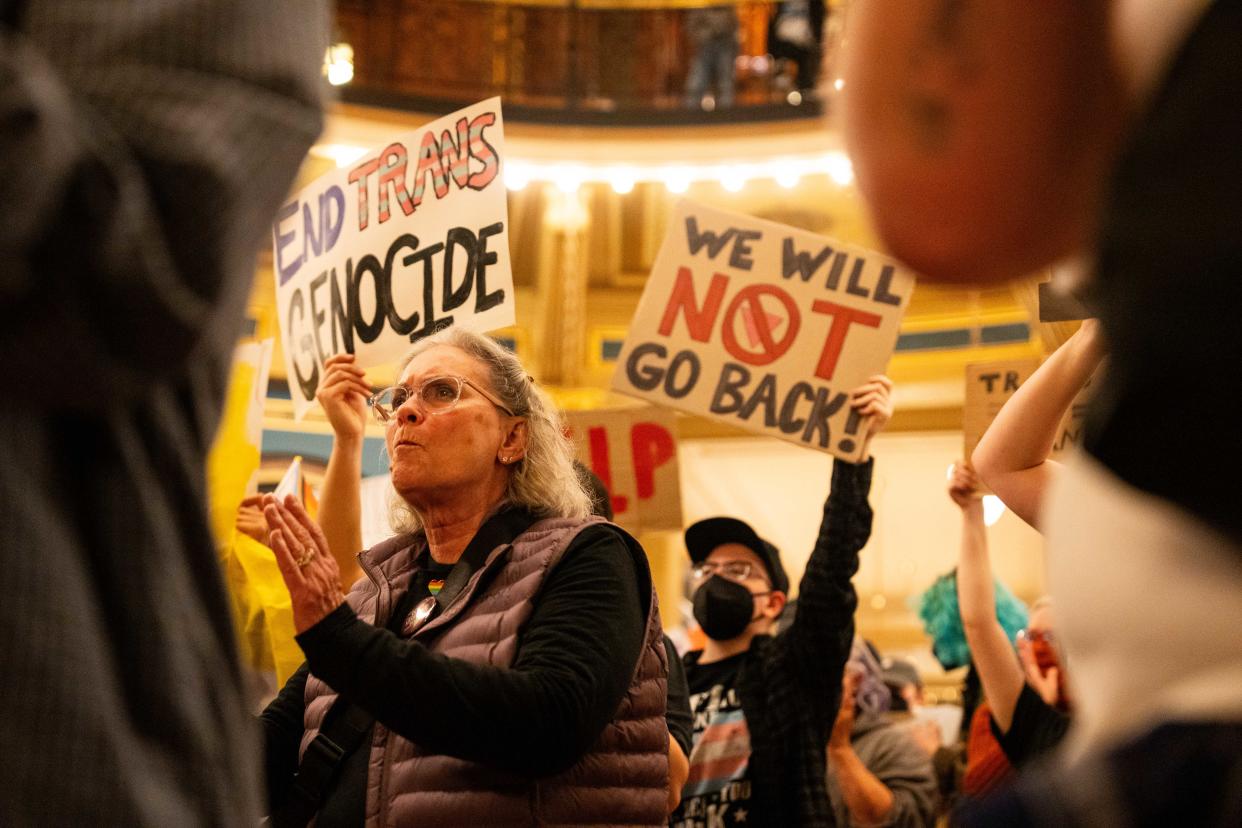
x=311, y=573
x=343, y=395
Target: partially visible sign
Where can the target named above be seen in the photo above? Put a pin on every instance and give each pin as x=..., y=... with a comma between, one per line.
x=410, y=239
x=763, y=326
x=634, y=452
x=1057, y=306
x=989, y=385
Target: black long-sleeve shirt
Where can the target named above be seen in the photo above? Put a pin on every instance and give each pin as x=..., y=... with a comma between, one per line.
x=575, y=659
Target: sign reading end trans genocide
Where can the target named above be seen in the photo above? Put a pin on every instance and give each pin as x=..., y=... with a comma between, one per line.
x=763, y=326
x=634, y=452
x=406, y=241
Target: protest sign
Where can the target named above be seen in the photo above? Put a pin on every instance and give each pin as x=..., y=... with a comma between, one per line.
x=989, y=385
x=1058, y=306
x=408, y=240
x=634, y=452
x=763, y=326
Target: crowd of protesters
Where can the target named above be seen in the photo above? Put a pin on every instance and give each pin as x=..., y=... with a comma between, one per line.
x=501, y=659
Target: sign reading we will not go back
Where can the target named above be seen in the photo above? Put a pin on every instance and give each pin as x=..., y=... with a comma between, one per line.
x=763, y=326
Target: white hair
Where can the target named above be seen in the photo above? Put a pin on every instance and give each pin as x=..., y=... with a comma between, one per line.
x=544, y=480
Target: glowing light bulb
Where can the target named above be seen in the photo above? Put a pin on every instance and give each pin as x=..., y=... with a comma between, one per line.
x=338, y=64
x=993, y=508
x=517, y=176
x=622, y=182
x=840, y=169
x=677, y=181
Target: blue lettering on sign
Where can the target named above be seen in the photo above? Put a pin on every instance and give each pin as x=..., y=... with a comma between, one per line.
x=321, y=228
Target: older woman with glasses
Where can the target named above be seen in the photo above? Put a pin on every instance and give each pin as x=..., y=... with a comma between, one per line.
x=500, y=662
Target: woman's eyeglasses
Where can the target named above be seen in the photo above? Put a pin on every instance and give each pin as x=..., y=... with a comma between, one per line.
x=436, y=395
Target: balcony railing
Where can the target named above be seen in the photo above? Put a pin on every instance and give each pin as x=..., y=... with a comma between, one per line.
x=636, y=62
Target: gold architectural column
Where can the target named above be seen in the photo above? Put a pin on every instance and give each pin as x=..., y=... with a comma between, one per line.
x=562, y=284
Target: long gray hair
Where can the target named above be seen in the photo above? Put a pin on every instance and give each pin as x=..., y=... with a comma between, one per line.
x=544, y=480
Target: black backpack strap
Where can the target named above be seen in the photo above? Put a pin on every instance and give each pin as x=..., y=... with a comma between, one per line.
x=346, y=726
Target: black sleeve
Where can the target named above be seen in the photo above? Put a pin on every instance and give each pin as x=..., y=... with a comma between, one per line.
x=283, y=726
x=1037, y=727
x=813, y=650
x=680, y=721
x=574, y=663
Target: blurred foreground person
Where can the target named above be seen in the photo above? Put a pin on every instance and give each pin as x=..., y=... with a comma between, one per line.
x=501, y=661
x=764, y=704
x=993, y=138
x=144, y=148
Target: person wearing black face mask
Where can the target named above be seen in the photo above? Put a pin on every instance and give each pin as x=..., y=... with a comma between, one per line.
x=764, y=704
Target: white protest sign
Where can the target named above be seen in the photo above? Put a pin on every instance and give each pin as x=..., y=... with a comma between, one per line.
x=411, y=238
x=763, y=326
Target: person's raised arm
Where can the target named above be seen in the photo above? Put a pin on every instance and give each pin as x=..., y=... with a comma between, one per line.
x=1012, y=457
x=981, y=131
x=867, y=798
x=993, y=656
x=343, y=395
x=817, y=643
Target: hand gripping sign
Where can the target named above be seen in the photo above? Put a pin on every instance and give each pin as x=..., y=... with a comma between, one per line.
x=634, y=452
x=763, y=326
x=406, y=241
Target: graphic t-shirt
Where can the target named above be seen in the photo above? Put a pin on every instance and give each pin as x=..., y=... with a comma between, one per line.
x=718, y=790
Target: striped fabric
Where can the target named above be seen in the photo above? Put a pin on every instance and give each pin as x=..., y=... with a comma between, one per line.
x=144, y=147
x=720, y=755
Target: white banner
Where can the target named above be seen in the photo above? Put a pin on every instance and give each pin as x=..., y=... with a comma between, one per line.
x=408, y=240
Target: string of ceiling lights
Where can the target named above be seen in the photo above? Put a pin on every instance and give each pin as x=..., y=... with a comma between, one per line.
x=569, y=176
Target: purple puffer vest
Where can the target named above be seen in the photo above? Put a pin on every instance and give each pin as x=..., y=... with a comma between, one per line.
x=621, y=780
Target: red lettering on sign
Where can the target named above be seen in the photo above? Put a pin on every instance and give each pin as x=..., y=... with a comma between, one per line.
x=359, y=175
x=698, y=319
x=842, y=318
x=483, y=151
x=597, y=439
x=770, y=350
x=393, y=176
x=652, y=446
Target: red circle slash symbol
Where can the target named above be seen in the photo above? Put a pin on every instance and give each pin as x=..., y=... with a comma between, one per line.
x=760, y=325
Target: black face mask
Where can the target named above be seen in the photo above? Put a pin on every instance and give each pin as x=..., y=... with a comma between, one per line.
x=724, y=608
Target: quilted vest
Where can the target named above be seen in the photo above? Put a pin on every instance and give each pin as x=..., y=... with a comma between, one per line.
x=621, y=780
